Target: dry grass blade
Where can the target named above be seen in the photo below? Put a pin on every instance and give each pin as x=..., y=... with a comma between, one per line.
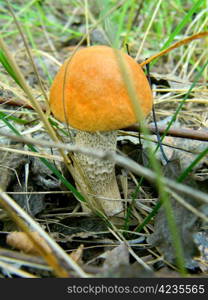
x=23, y=259
x=48, y=31
x=138, y=259
x=148, y=29
x=28, y=51
x=33, y=154
x=189, y=206
x=125, y=162
x=9, y=269
x=176, y=45
x=58, y=253
x=35, y=104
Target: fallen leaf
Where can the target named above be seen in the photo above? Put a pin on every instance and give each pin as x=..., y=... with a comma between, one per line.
x=21, y=241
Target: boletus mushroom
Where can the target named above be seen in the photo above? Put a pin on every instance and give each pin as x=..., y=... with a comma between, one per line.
x=89, y=93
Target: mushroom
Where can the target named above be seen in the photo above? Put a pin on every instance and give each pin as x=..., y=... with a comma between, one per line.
x=89, y=94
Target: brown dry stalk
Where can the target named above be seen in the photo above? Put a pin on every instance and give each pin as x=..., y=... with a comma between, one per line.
x=187, y=133
x=120, y=160
x=177, y=132
x=16, y=102
x=187, y=40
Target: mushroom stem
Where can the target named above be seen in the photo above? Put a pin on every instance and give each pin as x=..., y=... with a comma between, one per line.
x=99, y=180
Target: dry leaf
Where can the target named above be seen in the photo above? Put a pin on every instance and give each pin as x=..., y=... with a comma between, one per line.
x=117, y=265
x=201, y=239
x=76, y=255
x=186, y=221
x=21, y=241
x=116, y=257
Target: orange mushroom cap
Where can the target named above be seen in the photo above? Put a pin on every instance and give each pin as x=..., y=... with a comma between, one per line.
x=90, y=94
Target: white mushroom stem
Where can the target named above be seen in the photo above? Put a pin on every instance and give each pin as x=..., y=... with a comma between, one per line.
x=99, y=182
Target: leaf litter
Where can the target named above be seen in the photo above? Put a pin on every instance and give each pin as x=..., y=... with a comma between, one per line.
x=21, y=173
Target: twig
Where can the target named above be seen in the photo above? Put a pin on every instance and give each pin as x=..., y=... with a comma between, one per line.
x=177, y=132
x=125, y=162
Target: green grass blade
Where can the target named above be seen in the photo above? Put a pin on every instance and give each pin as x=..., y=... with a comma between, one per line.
x=182, y=24
x=5, y=63
x=192, y=165
x=179, y=27
x=200, y=72
x=15, y=119
x=162, y=192
x=120, y=25
x=55, y=171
